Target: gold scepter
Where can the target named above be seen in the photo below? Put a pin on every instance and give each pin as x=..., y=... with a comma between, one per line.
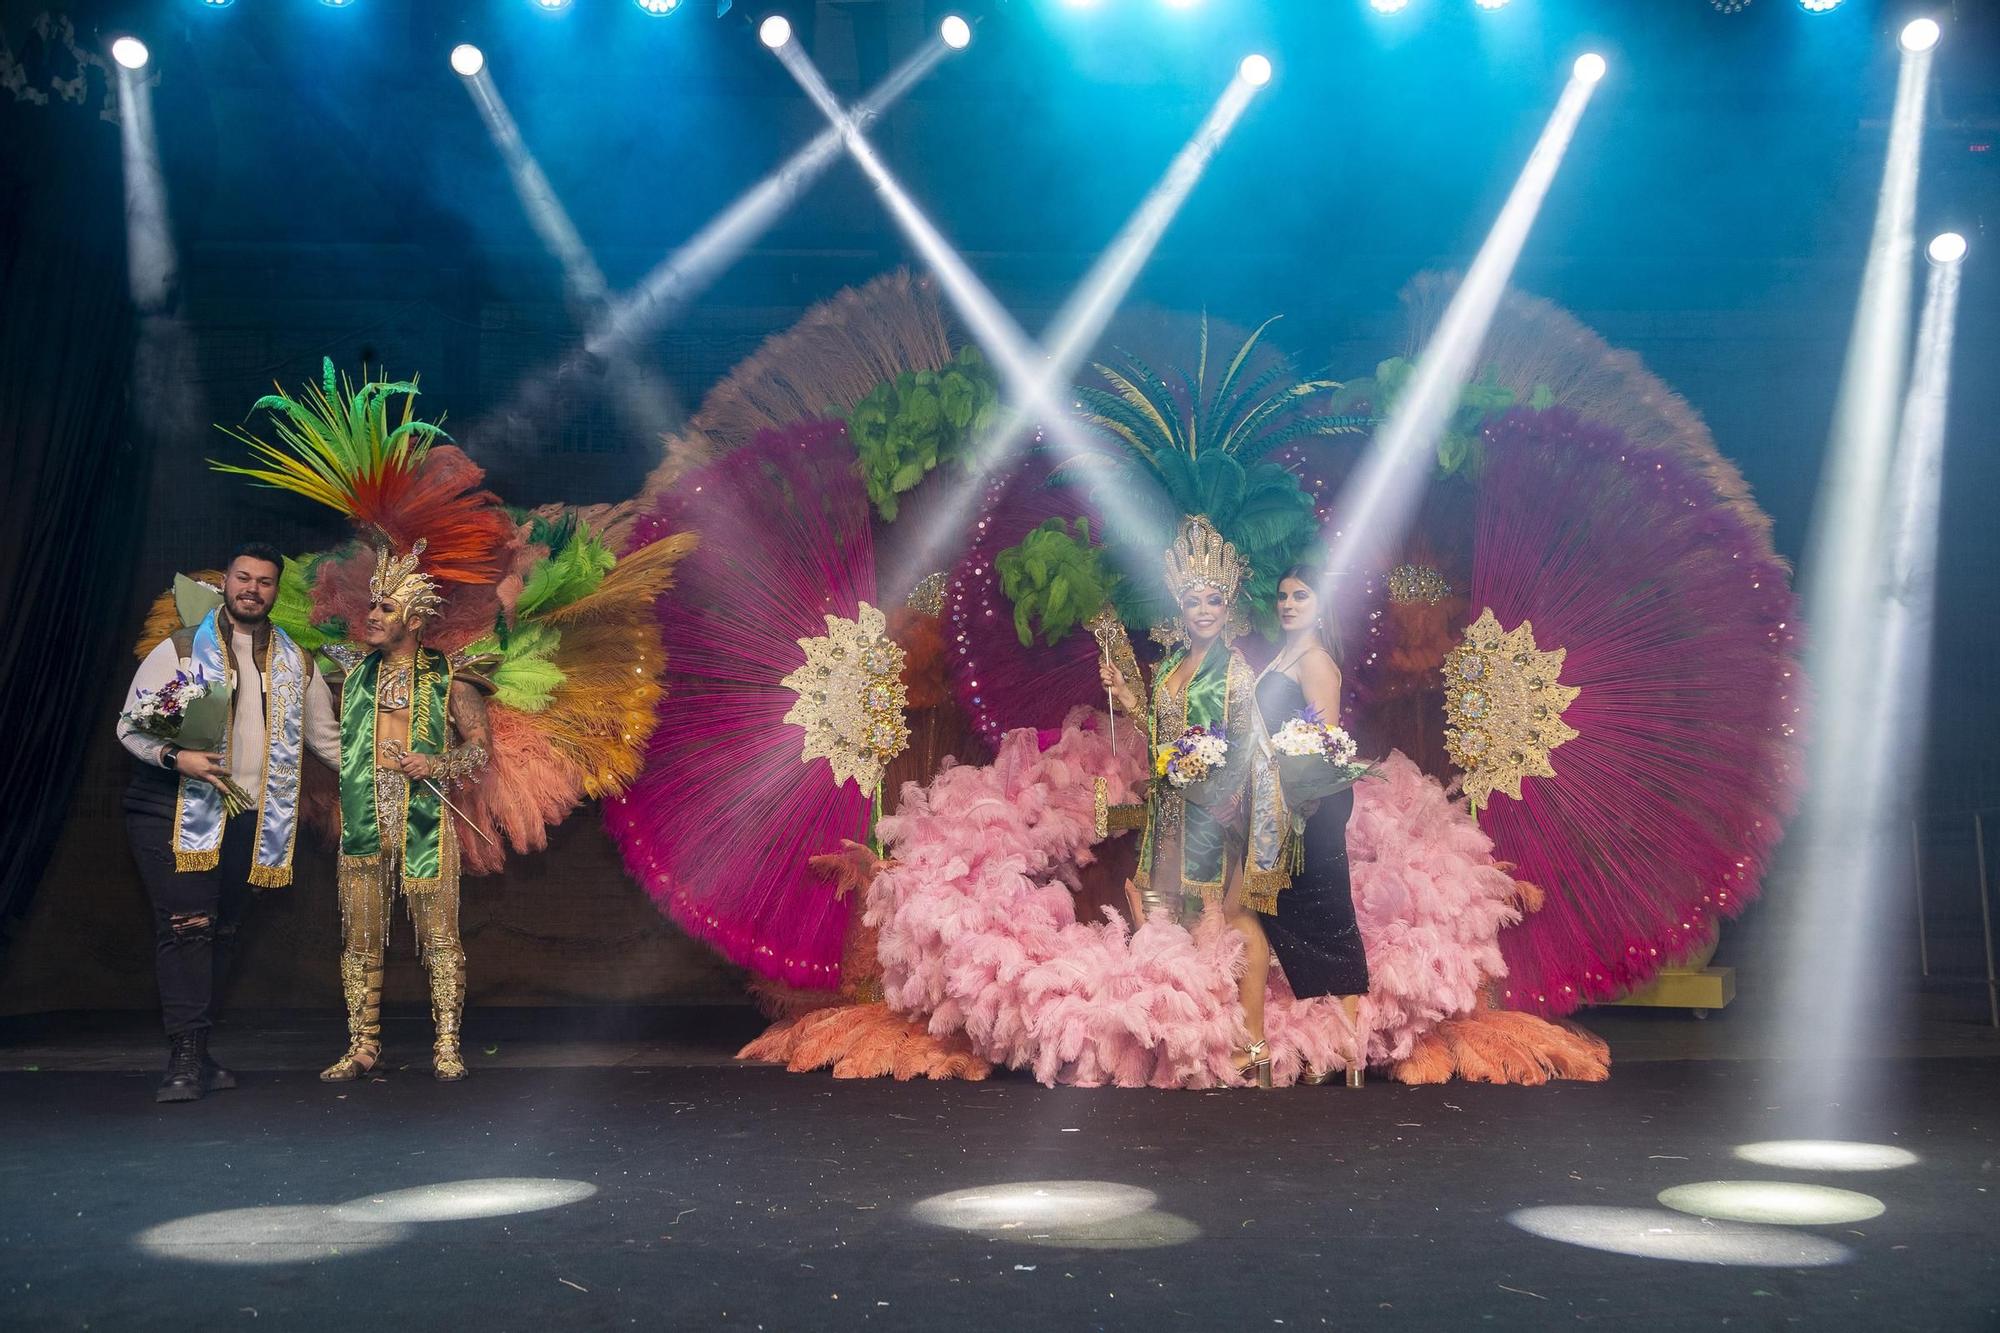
x=1104, y=627
x=396, y=750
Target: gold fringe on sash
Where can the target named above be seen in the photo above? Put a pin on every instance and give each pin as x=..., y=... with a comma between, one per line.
x=186, y=862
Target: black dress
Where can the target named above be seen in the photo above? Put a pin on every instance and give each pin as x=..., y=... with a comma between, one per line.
x=1313, y=932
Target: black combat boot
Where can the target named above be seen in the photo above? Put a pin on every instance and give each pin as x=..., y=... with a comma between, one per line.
x=183, y=1082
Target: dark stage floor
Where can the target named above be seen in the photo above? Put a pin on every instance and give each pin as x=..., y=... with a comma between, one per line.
x=680, y=1192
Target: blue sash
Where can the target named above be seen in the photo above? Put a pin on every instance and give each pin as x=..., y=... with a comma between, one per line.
x=198, y=817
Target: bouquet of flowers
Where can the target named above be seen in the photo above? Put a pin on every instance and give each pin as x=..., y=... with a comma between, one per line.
x=192, y=711
x=1197, y=755
x=1315, y=759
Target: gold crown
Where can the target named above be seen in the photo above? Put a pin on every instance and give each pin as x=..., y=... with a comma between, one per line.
x=396, y=580
x=1200, y=558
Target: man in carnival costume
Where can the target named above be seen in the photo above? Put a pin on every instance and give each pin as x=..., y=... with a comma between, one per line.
x=400, y=711
x=201, y=863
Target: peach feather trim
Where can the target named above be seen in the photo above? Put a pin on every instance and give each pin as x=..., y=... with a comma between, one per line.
x=864, y=1041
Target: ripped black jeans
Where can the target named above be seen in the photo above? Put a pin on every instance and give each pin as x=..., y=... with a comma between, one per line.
x=195, y=915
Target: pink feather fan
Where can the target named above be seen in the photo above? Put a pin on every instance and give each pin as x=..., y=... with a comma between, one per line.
x=1681, y=634
x=721, y=826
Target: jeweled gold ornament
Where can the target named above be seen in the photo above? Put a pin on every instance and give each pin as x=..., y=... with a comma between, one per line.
x=927, y=598
x=1503, y=703
x=851, y=698
x=1417, y=584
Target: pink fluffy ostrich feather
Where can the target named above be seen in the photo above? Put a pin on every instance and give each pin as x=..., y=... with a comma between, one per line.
x=979, y=936
x=723, y=822
x=1682, y=635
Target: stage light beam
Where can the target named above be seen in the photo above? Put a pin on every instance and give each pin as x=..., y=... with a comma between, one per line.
x=643, y=399
x=1590, y=67
x=467, y=59
x=1255, y=70
x=775, y=32
x=1852, y=862
x=1376, y=503
x=955, y=32
x=130, y=52
x=1069, y=338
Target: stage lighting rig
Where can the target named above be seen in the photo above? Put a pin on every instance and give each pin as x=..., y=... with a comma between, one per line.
x=553, y=4
x=1819, y=6
x=1589, y=67
x=1946, y=248
x=1255, y=70
x=1921, y=35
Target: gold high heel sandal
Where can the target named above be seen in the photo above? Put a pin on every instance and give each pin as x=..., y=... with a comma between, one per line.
x=1256, y=1061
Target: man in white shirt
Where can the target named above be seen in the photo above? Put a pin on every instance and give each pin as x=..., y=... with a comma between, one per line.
x=200, y=865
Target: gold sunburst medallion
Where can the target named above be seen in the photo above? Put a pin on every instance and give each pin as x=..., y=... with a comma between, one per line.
x=1504, y=705
x=851, y=697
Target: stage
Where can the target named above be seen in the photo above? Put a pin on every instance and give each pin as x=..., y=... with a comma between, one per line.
x=634, y=1176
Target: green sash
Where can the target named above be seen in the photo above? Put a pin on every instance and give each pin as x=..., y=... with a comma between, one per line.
x=430, y=724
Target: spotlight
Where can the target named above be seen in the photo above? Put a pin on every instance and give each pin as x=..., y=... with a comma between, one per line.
x=658, y=7
x=1255, y=70
x=1946, y=248
x=956, y=32
x=1502, y=4
x=1388, y=6
x=467, y=59
x=336, y=4
x=1921, y=35
x=775, y=31
x=553, y=4
x=130, y=52
x=218, y=4
x=1589, y=67
x=1826, y=1155
x=1181, y=4
x=1819, y=6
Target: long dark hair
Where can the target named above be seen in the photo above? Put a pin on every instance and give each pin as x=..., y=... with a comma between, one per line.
x=1329, y=628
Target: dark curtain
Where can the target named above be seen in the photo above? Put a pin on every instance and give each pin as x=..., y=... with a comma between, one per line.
x=75, y=474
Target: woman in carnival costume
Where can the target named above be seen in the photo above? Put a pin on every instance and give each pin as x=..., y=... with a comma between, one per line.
x=1192, y=852
x=1301, y=846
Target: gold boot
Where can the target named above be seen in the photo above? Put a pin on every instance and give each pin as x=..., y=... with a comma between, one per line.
x=363, y=991
x=447, y=1004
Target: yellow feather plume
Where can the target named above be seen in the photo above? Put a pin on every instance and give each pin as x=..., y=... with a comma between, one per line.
x=601, y=716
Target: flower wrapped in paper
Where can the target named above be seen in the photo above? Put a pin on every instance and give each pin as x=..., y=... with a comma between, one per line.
x=192, y=711
x=1315, y=760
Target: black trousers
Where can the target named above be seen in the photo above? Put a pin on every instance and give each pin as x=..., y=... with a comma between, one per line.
x=195, y=914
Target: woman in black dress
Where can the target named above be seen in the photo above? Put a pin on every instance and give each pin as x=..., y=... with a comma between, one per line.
x=1312, y=930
